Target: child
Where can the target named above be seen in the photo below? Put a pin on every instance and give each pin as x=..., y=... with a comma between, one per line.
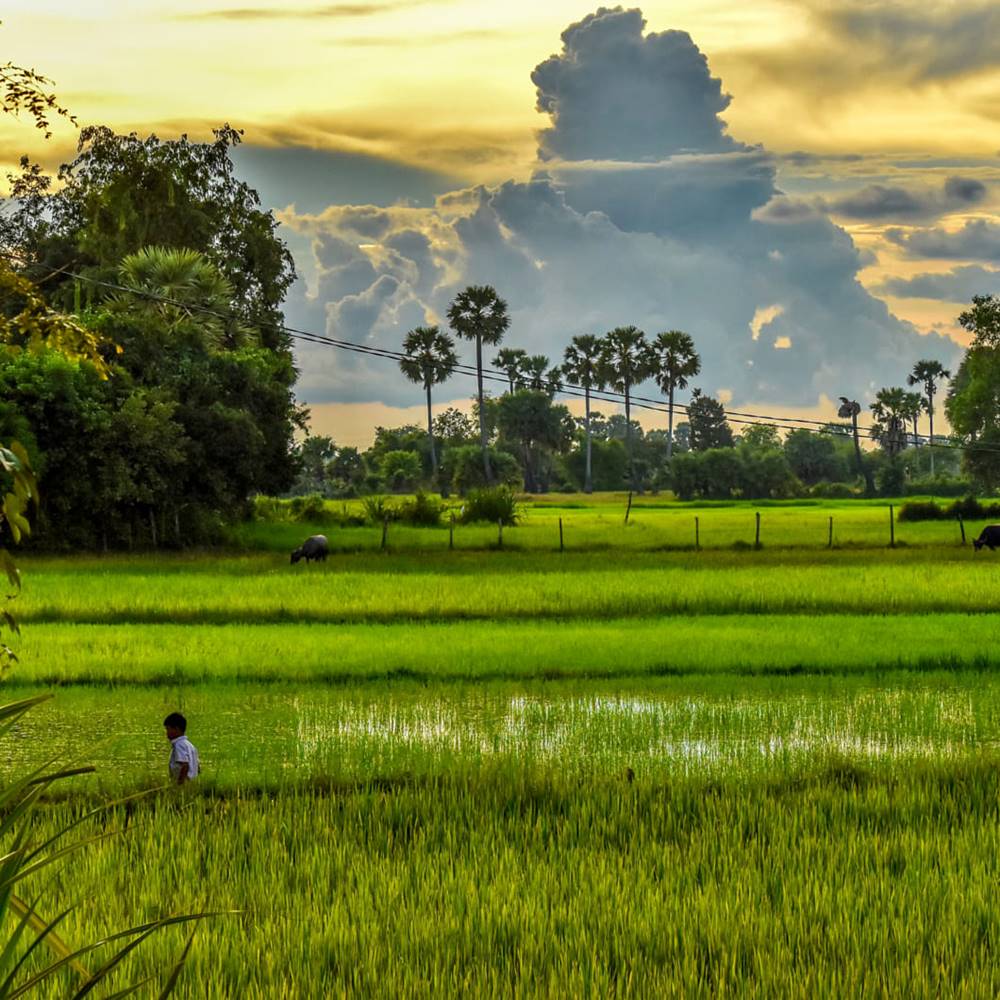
x=183, y=756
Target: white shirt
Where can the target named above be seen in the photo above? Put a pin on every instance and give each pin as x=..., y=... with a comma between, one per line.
x=182, y=751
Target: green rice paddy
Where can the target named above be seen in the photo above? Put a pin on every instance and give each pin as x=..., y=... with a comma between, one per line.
x=626, y=769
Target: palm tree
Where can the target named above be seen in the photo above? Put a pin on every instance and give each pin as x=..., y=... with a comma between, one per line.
x=624, y=363
x=510, y=360
x=430, y=359
x=849, y=410
x=538, y=375
x=913, y=403
x=181, y=285
x=479, y=314
x=890, y=411
x=674, y=361
x=582, y=367
x=928, y=373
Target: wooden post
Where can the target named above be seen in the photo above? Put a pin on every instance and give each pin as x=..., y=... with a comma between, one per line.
x=961, y=527
x=500, y=534
x=385, y=532
x=829, y=541
x=756, y=537
x=561, y=547
x=697, y=539
x=628, y=509
x=451, y=531
x=892, y=528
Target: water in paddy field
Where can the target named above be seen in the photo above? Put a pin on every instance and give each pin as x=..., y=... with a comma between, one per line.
x=254, y=734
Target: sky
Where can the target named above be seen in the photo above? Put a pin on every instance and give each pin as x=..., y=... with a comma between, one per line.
x=812, y=190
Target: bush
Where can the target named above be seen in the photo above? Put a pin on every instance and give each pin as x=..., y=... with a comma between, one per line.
x=833, y=491
x=463, y=468
x=311, y=509
x=891, y=479
x=423, y=511
x=378, y=509
x=269, y=510
x=400, y=470
x=917, y=510
x=939, y=486
x=496, y=504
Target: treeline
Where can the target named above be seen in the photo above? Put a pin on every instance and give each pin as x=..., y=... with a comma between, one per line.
x=164, y=260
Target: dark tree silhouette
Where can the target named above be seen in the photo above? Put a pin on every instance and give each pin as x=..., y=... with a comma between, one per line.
x=480, y=315
x=928, y=374
x=674, y=362
x=430, y=360
x=624, y=364
x=582, y=367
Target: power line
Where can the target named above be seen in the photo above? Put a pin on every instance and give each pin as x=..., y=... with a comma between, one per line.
x=490, y=374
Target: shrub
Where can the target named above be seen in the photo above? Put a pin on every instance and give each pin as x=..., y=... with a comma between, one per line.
x=495, y=504
x=422, y=511
x=463, y=468
x=269, y=510
x=939, y=486
x=311, y=509
x=400, y=470
x=378, y=509
x=832, y=491
x=917, y=510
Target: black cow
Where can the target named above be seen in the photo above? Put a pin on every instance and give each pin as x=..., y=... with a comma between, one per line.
x=990, y=537
x=315, y=547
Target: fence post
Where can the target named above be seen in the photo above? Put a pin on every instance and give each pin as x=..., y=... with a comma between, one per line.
x=697, y=538
x=829, y=541
x=385, y=531
x=756, y=537
x=961, y=527
x=628, y=509
x=500, y=534
x=892, y=528
x=451, y=531
x=560, y=535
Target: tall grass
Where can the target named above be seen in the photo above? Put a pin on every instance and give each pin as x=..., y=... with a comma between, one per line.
x=831, y=881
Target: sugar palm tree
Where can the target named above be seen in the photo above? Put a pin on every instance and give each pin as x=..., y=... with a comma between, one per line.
x=890, y=412
x=913, y=404
x=510, y=360
x=539, y=374
x=182, y=285
x=849, y=410
x=430, y=360
x=674, y=361
x=625, y=362
x=480, y=315
x=582, y=367
x=927, y=374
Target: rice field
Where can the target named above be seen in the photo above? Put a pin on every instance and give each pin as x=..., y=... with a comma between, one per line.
x=634, y=769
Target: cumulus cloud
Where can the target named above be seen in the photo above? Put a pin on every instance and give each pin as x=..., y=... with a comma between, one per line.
x=651, y=215
x=614, y=93
x=978, y=239
x=958, y=285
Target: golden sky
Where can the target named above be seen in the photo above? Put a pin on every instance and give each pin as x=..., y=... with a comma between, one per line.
x=876, y=92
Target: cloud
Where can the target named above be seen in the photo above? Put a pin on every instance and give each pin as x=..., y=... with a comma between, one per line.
x=858, y=45
x=958, y=285
x=614, y=93
x=335, y=11
x=978, y=239
x=617, y=225
x=878, y=202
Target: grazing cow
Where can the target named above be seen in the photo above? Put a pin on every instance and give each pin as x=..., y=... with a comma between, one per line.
x=990, y=537
x=315, y=547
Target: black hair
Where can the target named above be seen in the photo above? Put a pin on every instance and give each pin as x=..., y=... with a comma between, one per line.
x=176, y=721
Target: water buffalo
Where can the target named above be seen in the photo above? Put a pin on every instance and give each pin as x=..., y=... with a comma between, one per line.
x=990, y=537
x=315, y=547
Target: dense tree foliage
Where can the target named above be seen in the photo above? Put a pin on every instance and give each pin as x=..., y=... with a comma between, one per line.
x=187, y=409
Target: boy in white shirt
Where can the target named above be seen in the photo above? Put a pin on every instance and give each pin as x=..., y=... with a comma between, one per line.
x=183, y=762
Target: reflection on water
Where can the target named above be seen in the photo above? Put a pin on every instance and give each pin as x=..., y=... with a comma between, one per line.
x=246, y=734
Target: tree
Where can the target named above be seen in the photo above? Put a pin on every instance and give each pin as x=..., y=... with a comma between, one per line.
x=982, y=320
x=480, y=315
x=707, y=419
x=539, y=375
x=890, y=411
x=850, y=409
x=538, y=427
x=453, y=427
x=430, y=360
x=814, y=457
x=400, y=470
x=674, y=362
x=624, y=364
x=582, y=367
x=927, y=374
x=760, y=437
x=23, y=91
x=510, y=360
